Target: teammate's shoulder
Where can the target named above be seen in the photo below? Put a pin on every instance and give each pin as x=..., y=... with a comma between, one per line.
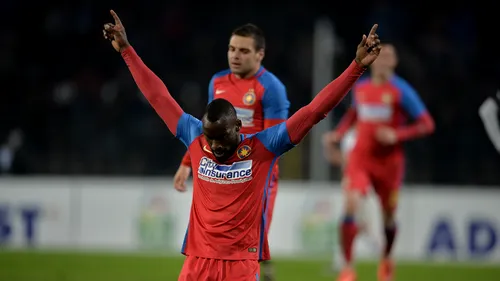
x=401, y=83
x=363, y=80
x=221, y=74
x=268, y=79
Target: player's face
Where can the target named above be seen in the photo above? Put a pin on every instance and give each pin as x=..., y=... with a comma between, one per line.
x=243, y=58
x=223, y=137
x=387, y=60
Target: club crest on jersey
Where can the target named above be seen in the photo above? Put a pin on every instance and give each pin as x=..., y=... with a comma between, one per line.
x=238, y=172
x=244, y=151
x=249, y=97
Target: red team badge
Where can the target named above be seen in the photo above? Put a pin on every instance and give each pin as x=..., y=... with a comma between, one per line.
x=249, y=97
x=244, y=151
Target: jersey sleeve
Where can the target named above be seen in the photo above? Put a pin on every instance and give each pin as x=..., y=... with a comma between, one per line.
x=411, y=102
x=154, y=90
x=211, y=89
x=188, y=129
x=276, y=139
x=282, y=137
x=275, y=103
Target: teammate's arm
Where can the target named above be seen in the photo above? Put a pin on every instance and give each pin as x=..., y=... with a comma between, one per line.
x=423, y=123
x=488, y=111
x=347, y=121
x=275, y=104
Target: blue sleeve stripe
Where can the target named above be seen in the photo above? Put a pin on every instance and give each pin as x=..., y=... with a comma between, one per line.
x=188, y=129
x=265, y=208
x=275, y=101
x=211, y=90
x=183, y=248
x=410, y=100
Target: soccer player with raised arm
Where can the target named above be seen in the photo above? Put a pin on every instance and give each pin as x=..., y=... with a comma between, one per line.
x=226, y=236
x=382, y=103
x=259, y=98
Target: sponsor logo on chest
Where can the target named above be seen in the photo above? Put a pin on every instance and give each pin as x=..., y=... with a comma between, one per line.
x=238, y=172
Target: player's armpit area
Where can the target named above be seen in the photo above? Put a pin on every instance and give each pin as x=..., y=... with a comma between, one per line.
x=153, y=89
x=423, y=126
x=300, y=123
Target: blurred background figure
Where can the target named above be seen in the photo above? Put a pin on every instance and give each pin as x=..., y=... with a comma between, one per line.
x=11, y=162
x=490, y=114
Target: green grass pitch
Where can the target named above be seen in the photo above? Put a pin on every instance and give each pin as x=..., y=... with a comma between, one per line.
x=71, y=266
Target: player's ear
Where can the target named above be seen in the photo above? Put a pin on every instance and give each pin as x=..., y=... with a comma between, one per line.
x=238, y=125
x=261, y=53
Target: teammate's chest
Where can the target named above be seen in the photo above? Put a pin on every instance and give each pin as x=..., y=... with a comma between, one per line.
x=376, y=103
x=241, y=93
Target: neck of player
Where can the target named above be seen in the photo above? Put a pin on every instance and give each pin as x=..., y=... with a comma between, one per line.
x=248, y=74
x=382, y=77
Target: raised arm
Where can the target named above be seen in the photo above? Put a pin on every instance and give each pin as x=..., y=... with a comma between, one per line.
x=153, y=89
x=183, y=126
x=283, y=137
x=304, y=119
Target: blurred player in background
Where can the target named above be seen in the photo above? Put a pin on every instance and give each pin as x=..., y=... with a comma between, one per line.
x=490, y=115
x=382, y=103
x=258, y=96
x=226, y=236
x=338, y=156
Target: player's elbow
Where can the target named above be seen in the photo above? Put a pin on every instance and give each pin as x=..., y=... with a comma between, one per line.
x=427, y=124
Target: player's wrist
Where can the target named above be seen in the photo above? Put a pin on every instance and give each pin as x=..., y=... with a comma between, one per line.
x=125, y=48
x=360, y=64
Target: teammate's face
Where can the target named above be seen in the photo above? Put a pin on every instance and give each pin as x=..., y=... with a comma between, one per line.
x=222, y=136
x=387, y=59
x=243, y=58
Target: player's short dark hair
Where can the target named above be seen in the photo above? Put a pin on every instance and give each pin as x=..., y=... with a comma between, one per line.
x=220, y=109
x=251, y=30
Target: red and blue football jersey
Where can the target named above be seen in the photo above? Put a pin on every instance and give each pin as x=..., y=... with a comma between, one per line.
x=389, y=104
x=260, y=101
x=228, y=210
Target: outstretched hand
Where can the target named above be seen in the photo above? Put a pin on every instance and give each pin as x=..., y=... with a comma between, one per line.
x=369, y=48
x=116, y=33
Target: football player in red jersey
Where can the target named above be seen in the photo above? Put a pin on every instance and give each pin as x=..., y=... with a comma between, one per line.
x=382, y=103
x=226, y=236
x=258, y=96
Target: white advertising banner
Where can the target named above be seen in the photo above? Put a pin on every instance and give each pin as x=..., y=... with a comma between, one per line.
x=148, y=214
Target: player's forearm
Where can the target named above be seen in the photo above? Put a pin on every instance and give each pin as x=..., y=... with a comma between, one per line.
x=423, y=126
x=300, y=123
x=186, y=160
x=347, y=121
x=153, y=89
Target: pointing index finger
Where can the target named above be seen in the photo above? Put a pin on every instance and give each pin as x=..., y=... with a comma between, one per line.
x=115, y=16
x=373, y=30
